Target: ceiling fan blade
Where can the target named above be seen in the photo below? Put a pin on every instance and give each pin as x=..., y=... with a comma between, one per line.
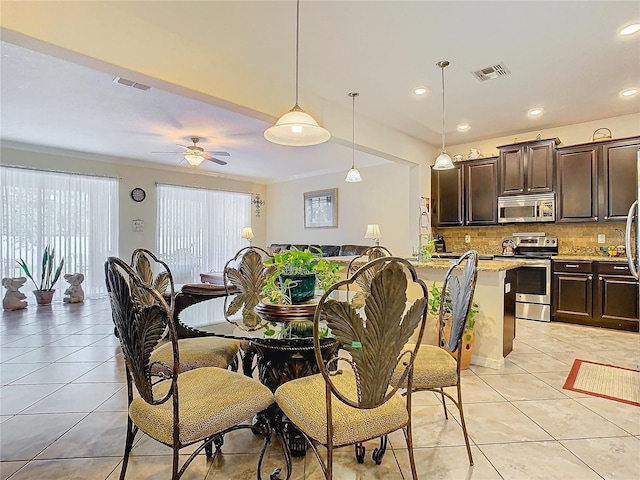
x=184, y=146
x=215, y=160
x=220, y=154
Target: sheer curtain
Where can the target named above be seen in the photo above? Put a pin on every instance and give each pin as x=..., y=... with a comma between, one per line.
x=75, y=214
x=198, y=230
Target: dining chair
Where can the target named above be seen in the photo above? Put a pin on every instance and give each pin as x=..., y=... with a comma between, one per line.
x=246, y=275
x=350, y=400
x=435, y=367
x=196, y=352
x=174, y=407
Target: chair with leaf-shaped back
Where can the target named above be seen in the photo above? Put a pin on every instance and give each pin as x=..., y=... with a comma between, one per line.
x=435, y=367
x=195, y=352
x=246, y=274
x=351, y=401
x=174, y=407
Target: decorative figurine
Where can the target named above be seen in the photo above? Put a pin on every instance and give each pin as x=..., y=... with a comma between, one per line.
x=13, y=299
x=473, y=154
x=74, y=292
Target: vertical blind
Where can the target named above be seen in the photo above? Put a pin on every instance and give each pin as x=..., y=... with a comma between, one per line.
x=198, y=230
x=75, y=214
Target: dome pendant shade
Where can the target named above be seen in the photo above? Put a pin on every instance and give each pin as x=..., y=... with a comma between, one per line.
x=194, y=159
x=443, y=162
x=353, y=176
x=296, y=128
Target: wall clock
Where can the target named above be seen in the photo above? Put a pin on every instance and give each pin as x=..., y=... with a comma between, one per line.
x=138, y=194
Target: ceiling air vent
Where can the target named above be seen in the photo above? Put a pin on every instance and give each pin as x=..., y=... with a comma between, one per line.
x=129, y=83
x=489, y=73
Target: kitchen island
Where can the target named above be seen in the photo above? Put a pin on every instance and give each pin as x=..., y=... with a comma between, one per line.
x=495, y=296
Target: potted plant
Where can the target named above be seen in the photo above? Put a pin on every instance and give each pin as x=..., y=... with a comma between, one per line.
x=296, y=276
x=48, y=278
x=468, y=337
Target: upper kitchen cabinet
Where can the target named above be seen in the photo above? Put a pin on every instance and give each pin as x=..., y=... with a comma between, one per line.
x=618, y=180
x=527, y=167
x=596, y=181
x=446, y=197
x=577, y=176
x=481, y=192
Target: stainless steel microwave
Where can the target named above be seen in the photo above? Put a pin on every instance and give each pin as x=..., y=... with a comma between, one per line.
x=527, y=208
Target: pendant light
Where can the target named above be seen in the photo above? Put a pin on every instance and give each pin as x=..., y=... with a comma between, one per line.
x=353, y=175
x=443, y=162
x=297, y=128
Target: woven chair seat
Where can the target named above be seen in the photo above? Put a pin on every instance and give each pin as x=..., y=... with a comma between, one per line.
x=211, y=400
x=199, y=352
x=304, y=401
x=207, y=289
x=433, y=367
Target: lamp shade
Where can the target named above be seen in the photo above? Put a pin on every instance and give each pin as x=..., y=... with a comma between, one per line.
x=296, y=128
x=194, y=159
x=353, y=175
x=443, y=162
x=373, y=231
x=247, y=233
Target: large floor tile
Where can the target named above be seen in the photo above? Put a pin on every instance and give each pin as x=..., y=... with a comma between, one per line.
x=538, y=362
x=42, y=354
x=537, y=461
x=9, y=468
x=625, y=416
x=54, y=373
x=25, y=436
x=565, y=419
x=10, y=372
x=159, y=468
x=78, y=397
x=475, y=390
x=448, y=463
x=430, y=429
x=91, y=354
x=67, y=469
x=17, y=398
x=522, y=387
x=613, y=458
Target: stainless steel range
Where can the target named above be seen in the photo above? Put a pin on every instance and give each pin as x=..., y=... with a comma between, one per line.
x=533, y=280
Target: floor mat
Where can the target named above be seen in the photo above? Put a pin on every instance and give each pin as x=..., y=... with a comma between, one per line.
x=606, y=381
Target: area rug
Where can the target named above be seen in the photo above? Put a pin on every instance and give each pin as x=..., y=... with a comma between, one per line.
x=606, y=381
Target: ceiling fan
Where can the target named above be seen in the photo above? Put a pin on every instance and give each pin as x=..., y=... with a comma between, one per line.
x=195, y=155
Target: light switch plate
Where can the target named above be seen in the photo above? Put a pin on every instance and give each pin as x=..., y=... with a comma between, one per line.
x=467, y=239
x=602, y=238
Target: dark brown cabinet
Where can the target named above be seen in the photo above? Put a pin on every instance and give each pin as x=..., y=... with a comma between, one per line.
x=446, y=195
x=481, y=192
x=596, y=181
x=602, y=294
x=577, y=177
x=527, y=167
x=618, y=179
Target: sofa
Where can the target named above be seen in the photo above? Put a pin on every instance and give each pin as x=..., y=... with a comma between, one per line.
x=327, y=250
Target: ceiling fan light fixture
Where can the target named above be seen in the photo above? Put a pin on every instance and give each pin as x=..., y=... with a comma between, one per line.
x=296, y=128
x=194, y=159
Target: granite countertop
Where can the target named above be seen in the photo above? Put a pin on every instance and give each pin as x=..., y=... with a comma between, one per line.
x=483, y=265
x=591, y=258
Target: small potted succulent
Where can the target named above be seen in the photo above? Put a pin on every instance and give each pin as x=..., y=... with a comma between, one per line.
x=49, y=276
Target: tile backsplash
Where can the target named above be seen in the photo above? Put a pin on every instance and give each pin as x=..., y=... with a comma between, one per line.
x=573, y=239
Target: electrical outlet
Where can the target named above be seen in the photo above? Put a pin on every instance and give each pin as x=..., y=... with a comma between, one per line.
x=467, y=239
x=602, y=238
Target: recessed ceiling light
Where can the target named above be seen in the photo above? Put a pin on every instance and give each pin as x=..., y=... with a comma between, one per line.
x=420, y=90
x=630, y=29
x=629, y=92
x=535, y=112
x=463, y=127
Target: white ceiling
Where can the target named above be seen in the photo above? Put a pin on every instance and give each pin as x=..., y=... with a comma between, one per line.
x=564, y=56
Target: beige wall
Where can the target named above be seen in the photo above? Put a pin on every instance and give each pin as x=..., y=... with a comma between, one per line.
x=383, y=197
x=621, y=127
x=137, y=174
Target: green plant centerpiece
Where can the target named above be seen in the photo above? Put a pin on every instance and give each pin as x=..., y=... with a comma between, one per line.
x=296, y=276
x=48, y=277
x=425, y=252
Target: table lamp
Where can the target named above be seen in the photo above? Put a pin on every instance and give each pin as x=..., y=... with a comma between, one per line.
x=373, y=231
x=247, y=233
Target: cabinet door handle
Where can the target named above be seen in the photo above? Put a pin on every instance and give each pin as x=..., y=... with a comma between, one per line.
x=570, y=265
x=600, y=277
x=591, y=276
x=624, y=267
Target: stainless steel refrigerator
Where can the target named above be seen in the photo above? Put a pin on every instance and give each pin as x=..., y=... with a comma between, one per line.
x=633, y=244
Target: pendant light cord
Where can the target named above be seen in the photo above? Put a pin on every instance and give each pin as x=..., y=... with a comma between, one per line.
x=297, y=45
x=353, y=129
x=442, y=65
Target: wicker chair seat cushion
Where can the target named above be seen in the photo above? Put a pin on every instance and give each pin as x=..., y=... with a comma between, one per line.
x=207, y=289
x=434, y=367
x=211, y=400
x=199, y=352
x=304, y=401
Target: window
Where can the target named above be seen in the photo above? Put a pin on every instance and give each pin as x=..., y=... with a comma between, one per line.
x=75, y=214
x=198, y=230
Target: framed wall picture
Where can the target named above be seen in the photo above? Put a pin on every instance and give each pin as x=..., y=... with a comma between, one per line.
x=321, y=209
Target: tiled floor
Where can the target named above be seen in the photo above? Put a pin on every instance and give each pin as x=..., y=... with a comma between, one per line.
x=63, y=404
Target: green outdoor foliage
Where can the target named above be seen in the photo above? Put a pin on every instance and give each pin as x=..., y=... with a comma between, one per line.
x=434, y=306
x=49, y=276
x=297, y=262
